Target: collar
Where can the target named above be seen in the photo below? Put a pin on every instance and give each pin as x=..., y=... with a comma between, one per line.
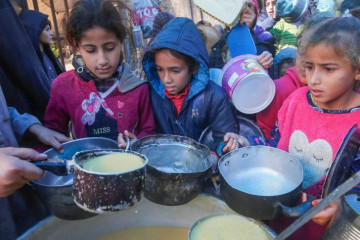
x=180, y=96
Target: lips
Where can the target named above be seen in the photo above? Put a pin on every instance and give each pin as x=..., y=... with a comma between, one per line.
x=315, y=93
x=170, y=89
x=103, y=70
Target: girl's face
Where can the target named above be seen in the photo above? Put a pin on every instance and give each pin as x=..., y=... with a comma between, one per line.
x=100, y=50
x=173, y=72
x=270, y=7
x=331, y=78
x=46, y=35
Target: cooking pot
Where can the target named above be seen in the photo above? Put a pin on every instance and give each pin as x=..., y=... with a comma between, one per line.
x=346, y=223
x=145, y=213
x=176, y=169
x=100, y=192
x=56, y=191
x=262, y=182
x=292, y=11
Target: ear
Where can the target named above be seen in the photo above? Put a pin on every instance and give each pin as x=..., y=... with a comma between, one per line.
x=196, y=69
x=357, y=74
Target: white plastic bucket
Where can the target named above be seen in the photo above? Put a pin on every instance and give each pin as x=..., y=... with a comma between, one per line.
x=247, y=84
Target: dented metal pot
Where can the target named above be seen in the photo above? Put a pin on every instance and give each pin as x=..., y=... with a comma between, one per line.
x=177, y=168
x=100, y=192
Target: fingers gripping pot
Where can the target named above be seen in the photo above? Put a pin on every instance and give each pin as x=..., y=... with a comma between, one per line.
x=176, y=170
x=102, y=191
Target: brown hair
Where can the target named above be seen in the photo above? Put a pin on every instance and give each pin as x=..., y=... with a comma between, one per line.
x=87, y=14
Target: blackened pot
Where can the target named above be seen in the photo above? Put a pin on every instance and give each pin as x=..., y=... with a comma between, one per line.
x=106, y=192
x=262, y=182
x=177, y=168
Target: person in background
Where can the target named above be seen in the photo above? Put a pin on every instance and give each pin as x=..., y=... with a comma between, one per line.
x=38, y=28
x=160, y=20
x=349, y=5
x=283, y=61
x=267, y=18
x=20, y=206
x=101, y=97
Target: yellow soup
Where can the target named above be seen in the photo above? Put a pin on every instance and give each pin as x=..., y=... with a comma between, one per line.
x=225, y=227
x=149, y=233
x=113, y=162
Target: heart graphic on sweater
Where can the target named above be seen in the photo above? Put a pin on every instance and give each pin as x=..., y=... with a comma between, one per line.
x=315, y=157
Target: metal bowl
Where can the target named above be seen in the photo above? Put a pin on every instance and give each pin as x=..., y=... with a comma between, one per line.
x=292, y=11
x=56, y=191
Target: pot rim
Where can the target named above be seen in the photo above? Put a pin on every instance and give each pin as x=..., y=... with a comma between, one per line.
x=264, y=227
x=108, y=151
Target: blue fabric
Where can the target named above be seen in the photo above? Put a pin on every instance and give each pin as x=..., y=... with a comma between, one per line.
x=21, y=122
x=280, y=57
x=206, y=104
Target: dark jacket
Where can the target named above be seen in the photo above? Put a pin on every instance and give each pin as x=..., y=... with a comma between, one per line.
x=205, y=105
x=34, y=23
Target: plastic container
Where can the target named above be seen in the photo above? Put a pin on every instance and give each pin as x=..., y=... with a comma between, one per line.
x=247, y=84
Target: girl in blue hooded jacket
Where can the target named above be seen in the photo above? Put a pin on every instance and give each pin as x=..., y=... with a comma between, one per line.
x=183, y=99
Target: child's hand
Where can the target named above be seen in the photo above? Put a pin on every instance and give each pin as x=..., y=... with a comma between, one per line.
x=233, y=140
x=325, y=215
x=265, y=59
x=122, y=141
x=49, y=137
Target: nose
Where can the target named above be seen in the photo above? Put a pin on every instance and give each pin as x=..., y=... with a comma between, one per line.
x=167, y=78
x=313, y=78
x=102, y=58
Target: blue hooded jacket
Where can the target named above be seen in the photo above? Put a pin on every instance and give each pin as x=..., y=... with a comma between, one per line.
x=206, y=103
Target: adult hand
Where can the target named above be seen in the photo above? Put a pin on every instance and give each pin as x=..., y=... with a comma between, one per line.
x=265, y=59
x=15, y=170
x=122, y=141
x=248, y=15
x=49, y=137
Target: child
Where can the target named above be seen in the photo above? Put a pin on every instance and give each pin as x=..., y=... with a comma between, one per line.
x=38, y=28
x=314, y=120
x=101, y=97
x=184, y=101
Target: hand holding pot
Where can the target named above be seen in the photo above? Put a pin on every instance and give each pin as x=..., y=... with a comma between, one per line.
x=325, y=215
x=265, y=59
x=15, y=170
x=123, y=139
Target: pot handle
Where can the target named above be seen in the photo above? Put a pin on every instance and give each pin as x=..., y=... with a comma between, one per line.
x=298, y=210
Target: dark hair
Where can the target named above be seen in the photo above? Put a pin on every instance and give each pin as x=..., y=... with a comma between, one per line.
x=342, y=34
x=88, y=14
x=203, y=22
x=290, y=61
x=190, y=62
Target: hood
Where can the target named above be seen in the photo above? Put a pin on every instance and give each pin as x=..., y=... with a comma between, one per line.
x=181, y=35
x=128, y=80
x=292, y=76
x=281, y=56
x=34, y=23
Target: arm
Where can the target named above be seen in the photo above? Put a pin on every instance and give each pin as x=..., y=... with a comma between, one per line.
x=16, y=170
x=21, y=122
x=266, y=23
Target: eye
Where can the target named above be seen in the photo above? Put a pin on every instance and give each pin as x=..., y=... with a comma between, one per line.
x=329, y=69
x=318, y=159
x=158, y=69
x=308, y=67
x=298, y=150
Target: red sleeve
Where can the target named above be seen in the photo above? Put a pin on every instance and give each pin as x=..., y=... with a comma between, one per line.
x=146, y=125
x=56, y=114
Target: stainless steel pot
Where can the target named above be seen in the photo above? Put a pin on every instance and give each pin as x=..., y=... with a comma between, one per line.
x=145, y=213
x=56, y=191
x=176, y=170
x=261, y=182
x=292, y=10
x=346, y=223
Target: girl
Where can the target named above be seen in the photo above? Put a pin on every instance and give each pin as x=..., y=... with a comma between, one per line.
x=184, y=101
x=38, y=27
x=314, y=120
x=101, y=97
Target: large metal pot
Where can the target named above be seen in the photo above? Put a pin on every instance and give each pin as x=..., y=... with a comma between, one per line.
x=100, y=192
x=56, y=191
x=261, y=182
x=176, y=169
x=346, y=223
x=145, y=213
